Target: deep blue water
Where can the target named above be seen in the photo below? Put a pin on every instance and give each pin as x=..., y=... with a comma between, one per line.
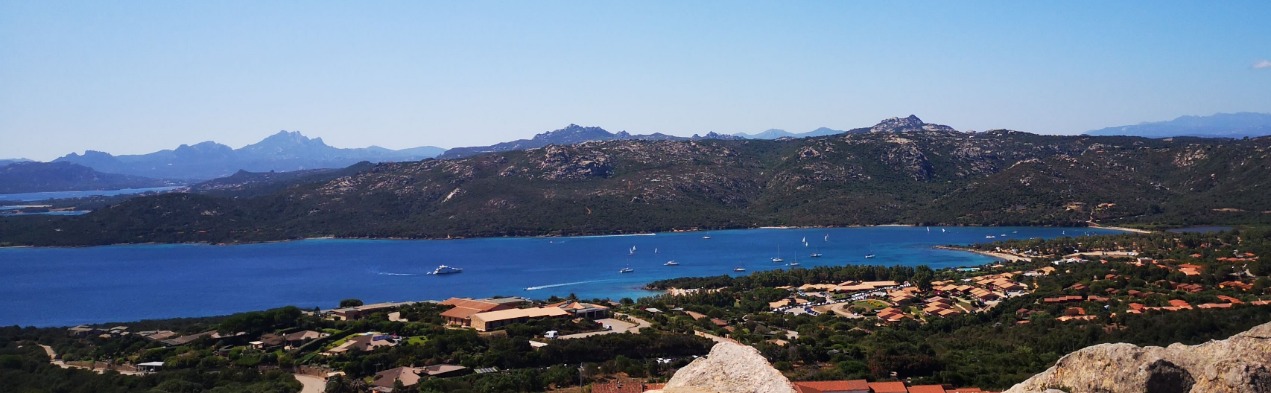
x=69, y=286
x=41, y=196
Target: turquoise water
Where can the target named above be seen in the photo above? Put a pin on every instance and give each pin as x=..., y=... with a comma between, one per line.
x=41, y=196
x=68, y=286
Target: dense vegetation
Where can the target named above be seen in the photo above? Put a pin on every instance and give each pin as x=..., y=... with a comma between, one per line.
x=902, y=176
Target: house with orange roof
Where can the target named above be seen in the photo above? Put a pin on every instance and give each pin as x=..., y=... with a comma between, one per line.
x=464, y=309
x=1190, y=288
x=1214, y=305
x=1235, y=284
x=849, y=386
x=926, y=389
x=891, y=314
x=493, y=320
x=1190, y=269
x=1229, y=299
x=983, y=294
x=888, y=387
x=1181, y=304
x=583, y=310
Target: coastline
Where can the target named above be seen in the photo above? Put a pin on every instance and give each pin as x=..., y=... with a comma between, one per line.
x=998, y=255
x=1092, y=224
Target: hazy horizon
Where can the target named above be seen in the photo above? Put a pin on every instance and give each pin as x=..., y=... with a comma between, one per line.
x=142, y=76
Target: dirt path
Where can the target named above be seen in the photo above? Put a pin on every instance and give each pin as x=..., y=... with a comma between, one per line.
x=53, y=360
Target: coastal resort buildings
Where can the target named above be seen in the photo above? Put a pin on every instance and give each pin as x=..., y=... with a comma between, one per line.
x=464, y=309
x=359, y=312
x=492, y=314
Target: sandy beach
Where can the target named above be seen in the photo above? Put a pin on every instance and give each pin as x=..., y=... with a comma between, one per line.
x=1134, y=230
x=999, y=255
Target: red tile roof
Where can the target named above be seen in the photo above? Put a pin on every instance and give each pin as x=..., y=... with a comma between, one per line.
x=888, y=387
x=832, y=386
x=926, y=389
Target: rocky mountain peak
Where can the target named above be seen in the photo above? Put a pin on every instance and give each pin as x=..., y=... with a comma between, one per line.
x=908, y=124
x=285, y=139
x=574, y=133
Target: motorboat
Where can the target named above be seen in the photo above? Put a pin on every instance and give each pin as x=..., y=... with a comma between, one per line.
x=443, y=269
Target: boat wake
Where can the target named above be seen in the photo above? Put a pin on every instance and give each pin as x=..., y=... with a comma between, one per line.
x=376, y=271
x=622, y=235
x=535, y=288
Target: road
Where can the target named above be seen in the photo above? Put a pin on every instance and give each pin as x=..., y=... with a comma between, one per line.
x=616, y=325
x=311, y=383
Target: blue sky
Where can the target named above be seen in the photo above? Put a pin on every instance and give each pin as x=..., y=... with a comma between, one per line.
x=132, y=77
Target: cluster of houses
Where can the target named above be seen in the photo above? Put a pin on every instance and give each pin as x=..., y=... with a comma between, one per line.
x=906, y=301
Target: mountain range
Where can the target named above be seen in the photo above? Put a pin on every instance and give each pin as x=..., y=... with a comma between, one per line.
x=900, y=171
x=284, y=151
x=779, y=133
x=569, y=135
x=1221, y=125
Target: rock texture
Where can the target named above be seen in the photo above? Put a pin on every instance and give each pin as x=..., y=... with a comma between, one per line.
x=1241, y=363
x=729, y=368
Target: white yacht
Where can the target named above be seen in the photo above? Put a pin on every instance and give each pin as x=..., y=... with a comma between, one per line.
x=443, y=269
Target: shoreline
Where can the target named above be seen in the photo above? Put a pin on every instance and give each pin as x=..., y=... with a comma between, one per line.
x=998, y=255
x=1124, y=229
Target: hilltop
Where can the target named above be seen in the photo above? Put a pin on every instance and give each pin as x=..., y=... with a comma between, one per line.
x=28, y=176
x=901, y=170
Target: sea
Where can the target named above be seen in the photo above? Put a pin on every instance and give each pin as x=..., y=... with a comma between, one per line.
x=70, y=286
x=43, y=196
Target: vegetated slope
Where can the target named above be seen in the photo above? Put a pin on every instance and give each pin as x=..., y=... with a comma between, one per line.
x=253, y=184
x=23, y=177
x=902, y=171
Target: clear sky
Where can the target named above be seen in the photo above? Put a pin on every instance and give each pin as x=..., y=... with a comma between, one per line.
x=130, y=77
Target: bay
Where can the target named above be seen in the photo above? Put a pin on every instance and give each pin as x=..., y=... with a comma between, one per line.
x=47, y=195
x=69, y=286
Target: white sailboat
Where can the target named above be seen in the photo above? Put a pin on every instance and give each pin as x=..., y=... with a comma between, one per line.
x=778, y=259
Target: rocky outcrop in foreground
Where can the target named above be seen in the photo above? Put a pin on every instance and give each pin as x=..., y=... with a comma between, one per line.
x=1241, y=363
x=729, y=368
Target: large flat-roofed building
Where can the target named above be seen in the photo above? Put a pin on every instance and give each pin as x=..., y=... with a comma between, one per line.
x=491, y=320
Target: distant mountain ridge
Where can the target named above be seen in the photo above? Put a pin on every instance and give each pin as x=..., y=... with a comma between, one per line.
x=1220, y=125
x=24, y=177
x=779, y=133
x=284, y=151
x=7, y=161
x=571, y=134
